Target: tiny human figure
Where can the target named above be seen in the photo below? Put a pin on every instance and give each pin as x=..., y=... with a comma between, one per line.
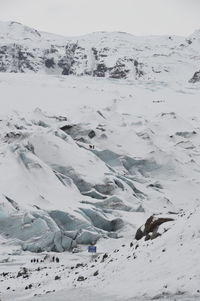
x=57, y=259
x=53, y=258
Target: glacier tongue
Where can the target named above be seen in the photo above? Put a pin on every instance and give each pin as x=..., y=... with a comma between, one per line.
x=46, y=179
x=85, y=172
x=84, y=161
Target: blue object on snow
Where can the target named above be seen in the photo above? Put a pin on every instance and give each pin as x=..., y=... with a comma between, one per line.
x=92, y=249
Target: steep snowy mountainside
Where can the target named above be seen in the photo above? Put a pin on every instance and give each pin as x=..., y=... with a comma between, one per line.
x=114, y=55
x=16, y=31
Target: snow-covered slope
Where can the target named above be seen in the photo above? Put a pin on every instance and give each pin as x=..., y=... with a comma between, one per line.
x=89, y=159
x=114, y=55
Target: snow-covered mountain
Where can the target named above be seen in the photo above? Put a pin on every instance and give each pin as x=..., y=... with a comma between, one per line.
x=111, y=158
x=114, y=55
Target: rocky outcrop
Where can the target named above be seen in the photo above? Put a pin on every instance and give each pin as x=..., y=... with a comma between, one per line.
x=150, y=229
x=49, y=63
x=101, y=70
x=111, y=55
x=195, y=78
x=18, y=58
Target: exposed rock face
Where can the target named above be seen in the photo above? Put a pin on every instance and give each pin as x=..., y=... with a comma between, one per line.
x=113, y=55
x=67, y=61
x=195, y=78
x=150, y=229
x=49, y=63
x=100, y=70
x=17, y=58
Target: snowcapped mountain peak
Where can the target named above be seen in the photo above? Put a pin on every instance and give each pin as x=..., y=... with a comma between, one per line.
x=114, y=55
x=109, y=157
x=16, y=31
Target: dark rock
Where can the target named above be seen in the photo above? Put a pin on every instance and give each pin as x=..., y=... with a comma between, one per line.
x=153, y=222
x=22, y=272
x=138, y=69
x=156, y=185
x=91, y=134
x=57, y=277
x=96, y=273
x=100, y=70
x=139, y=234
x=80, y=278
x=189, y=41
x=49, y=63
x=4, y=274
x=79, y=265
x=119, y=73
x=104, y=257
x=65, y=71
x=151, y=228
x=147, y=237
x=195, y=78
x=95, y=53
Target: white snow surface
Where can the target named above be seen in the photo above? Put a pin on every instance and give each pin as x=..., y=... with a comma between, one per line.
x=87, y=160
x=160, y=59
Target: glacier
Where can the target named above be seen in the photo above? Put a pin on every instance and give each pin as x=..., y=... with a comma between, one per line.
x=93, y=143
